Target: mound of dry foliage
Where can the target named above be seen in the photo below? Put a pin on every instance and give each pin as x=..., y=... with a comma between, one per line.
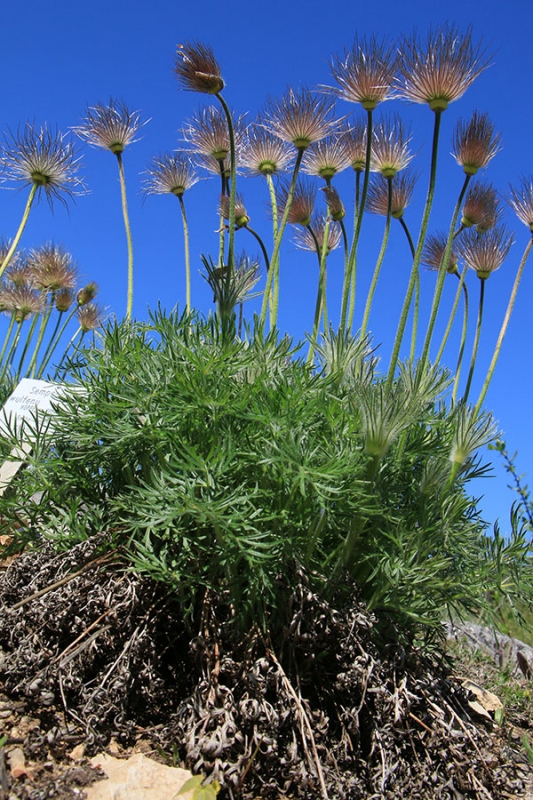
x=94, y=653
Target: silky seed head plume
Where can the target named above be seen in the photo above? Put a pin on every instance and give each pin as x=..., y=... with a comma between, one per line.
x=354, y=139
x=170, y=174
x=90, y=317
x=263, y=153
x=485, y=253
x=23, y=301
x=326, y=158
x=365, y=73
x=441, y=70
x=303, y=202
x=197, y=68
x=42, y=158
x=377, y=201
x=87, y=293
x=481, y=207
x=474, y=143
x=434, y=252
x=112, y=127
x=390, y=148
x=334, y=202
x=207, y=133
x=18, y=273
x=241, y=217
x=52, y=268
x=64, y=299
x=304, y=239
x=300, y=117
x=522, y=202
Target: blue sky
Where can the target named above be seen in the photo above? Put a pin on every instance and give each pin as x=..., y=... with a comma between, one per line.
x=57, y=57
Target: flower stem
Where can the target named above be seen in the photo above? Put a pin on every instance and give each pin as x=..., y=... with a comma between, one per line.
x=55, y=339
x=379, y=262
x=16, y=240
x=475, y=346
x=437, y=295
x=261, y=245
x=418, y=253
x=503, y=328
x=129, y=304
x=233, y=189
x=187, y=256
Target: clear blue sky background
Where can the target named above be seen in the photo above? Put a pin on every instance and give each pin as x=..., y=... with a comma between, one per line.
x=56, y=57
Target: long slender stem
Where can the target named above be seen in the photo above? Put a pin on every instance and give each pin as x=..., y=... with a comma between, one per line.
x=53, y=343
x=129, y=303
x=443, y=271
x=233, y=189
x=261, y=245
x=8, y=336
x=12, y=349
x=321, y=306
x=503, y=328
x=273, y=205
x=187, y=255
x=29, y=337
x=475, y=346
x=44, y=324
x=379, y=262
x=272, y=283
x=418, y=253
x=24, y=220
x=417, y=289
x=463, y=335
x=352, y=260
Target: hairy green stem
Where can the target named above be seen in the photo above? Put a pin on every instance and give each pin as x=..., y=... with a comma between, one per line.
x=379, y=262
x=8, y=336
x=418, y=253
x=187, y=255
x=53, y=343
x=24, y=220
x=129, y=303
x=261, y=245
x=29, y=338
x=437, y=295
x=233, y=190
x=272, y=283
x=475, y=346
x=503, y=328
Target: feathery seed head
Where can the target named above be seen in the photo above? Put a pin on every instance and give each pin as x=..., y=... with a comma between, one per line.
x=522, y=202
x=170, y=174
x=365, y=73
x=354, y=139
x=18, y=273
x=241, y=217
x=87, y=294
x=112, y=127
x=481, y=208
x=197, y=68
x=440, y=71
x=207, y=134
x=390, y=148
x=485, y=253
x=44, y=159
x=263, y=153
x=300, y=117
x=434, y=252
x=303, y=202
x=51, y=268
x=326, y=158
x=377, y=201
x=90, y=317
x=334, y=202
x=475, y=143
x=304, y=239
x=64, y=299
x=23, y=301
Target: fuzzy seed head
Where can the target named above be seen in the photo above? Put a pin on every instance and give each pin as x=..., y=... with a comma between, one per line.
x=521, y=202
x=44, y=159
x=326, y=158
x=334, y=202
x=390, y=148
x=354, y=140
x=170, y=174
x=90, y=317
x=304, y=239
x=434, y=253
x=474, y=143
x=197, y=69
x=87, y=294
x=300, y=117
x=482, y=207
x=303, y=202
x=263, y=153
x=112, y=127
x=441, y=70
x=365, y=73
x=377, y=201
x=485, y=253
x=51, y=268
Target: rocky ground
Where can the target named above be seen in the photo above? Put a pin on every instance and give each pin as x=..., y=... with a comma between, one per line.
x=94, y=658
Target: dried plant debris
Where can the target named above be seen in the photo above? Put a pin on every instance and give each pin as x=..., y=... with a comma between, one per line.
x=93, y=654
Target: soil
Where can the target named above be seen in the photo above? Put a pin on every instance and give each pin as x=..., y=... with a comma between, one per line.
x=95, y=657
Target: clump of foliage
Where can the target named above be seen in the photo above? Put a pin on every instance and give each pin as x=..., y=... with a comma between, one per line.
x=225, y=465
